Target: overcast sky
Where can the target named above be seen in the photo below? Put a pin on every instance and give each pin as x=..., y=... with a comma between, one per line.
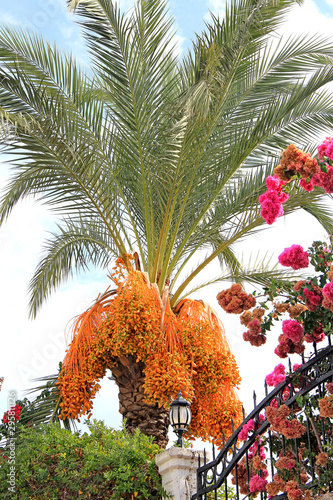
x=33, y=349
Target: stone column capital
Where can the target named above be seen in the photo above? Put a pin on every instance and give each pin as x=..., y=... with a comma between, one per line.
x=178, y=467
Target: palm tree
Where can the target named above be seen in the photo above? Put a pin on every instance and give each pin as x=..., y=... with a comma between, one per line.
x=151, y=153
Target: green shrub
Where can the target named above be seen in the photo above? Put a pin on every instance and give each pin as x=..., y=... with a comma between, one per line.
x=52, y=464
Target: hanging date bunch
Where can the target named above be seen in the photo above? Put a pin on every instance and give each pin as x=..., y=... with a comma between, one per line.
x=182, y=349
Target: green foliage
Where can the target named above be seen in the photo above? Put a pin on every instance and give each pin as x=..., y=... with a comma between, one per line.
x=325, y=476
x=220, y=494
x=42, y=409
x=52, y=463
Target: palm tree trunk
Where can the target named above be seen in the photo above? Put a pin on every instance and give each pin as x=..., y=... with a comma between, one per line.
x=150, y=419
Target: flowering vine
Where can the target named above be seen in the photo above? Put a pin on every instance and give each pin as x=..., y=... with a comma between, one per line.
x=305, y=307
x=304, y=310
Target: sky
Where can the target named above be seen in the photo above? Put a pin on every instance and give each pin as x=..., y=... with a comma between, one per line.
x=33, y=348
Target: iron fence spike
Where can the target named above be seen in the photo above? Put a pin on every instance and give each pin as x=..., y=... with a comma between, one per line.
x=315, y=347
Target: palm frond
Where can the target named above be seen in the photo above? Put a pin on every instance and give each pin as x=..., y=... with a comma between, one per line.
x=257, y=271
x=75, y=246
x=46, y=405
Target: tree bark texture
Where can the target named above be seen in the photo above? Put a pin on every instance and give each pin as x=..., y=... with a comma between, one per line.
x=150, y=419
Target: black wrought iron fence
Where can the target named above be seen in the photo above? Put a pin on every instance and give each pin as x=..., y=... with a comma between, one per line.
x=228, y=474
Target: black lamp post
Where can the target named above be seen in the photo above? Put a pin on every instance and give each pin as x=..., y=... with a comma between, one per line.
x=180, y=417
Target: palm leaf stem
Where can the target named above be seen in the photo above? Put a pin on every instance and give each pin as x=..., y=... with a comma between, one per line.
x=245, y=230
x=137, y=124
x=167, y=267
x=167, y=219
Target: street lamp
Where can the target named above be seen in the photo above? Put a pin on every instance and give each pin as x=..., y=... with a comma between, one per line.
x=180, y=417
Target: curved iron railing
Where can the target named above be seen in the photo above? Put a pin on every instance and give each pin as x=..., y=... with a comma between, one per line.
x=311, y=375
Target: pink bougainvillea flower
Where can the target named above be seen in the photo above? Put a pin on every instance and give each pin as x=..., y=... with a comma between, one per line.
x=14, y=413
x=244, y=433
x=294, y=257
x=284, y=197
x=257, y=483
x=271, y=206
x=329, y=151
x=325, y=180
x=328, y=291
x=271, y=201
x=317, y=334
x=313, y=297
x=277, y=376
x=293, y=330
x=273, y=183
x=322, y=147
x=253, y=451
x=307, y=184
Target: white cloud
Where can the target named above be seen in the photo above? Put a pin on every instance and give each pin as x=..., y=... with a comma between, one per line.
x=69, y=30
x=215, y=7
x=307, y=19
x=10, y=20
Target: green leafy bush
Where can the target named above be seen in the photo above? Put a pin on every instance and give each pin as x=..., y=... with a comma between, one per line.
x=51, y=463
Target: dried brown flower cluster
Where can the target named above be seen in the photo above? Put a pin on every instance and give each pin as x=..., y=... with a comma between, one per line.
x=277, y=417
x=234, y=300
x=295, y=161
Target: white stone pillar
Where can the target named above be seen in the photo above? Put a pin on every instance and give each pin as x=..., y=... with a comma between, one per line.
x=178, y=468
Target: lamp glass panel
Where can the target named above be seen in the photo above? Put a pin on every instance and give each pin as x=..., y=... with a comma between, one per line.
x=183, y=415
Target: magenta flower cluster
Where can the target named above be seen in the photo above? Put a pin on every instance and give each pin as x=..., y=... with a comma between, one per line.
x=294, y=257
x=258, y=483
x=328, y=291
x=244, y=433
x=249, y=427
x=277, y=376
x=271, y=201
x=326, y=149
x=297, y=165
x=293, y=330
x=254, y=451
x=313, y=298
x=324, y=180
